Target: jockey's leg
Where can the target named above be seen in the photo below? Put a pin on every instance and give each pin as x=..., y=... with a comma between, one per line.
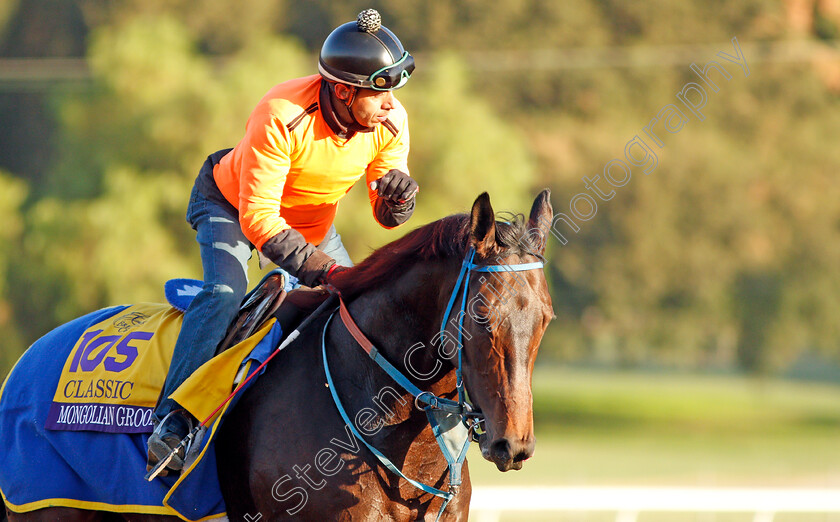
x=224, y=257
x=333, y=246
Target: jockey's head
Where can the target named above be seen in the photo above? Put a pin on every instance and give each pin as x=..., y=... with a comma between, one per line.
x=364, y=59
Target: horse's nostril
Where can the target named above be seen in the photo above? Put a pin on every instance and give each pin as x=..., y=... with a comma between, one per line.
x=522, y=455
x=501, y=448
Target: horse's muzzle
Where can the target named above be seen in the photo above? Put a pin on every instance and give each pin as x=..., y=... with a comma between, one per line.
x=507, y=454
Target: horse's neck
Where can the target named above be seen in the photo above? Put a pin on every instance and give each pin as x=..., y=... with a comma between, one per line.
x=395, y=318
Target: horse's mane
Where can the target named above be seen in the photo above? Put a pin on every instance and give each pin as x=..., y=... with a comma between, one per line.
x=444, y=238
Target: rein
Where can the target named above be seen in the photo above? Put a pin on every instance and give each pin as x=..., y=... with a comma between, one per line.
x=454, y=423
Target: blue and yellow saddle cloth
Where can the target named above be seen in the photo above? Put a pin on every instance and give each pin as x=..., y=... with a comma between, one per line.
x=76, y=409
x=114, y=373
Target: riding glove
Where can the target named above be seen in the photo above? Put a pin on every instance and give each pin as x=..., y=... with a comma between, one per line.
x=396, y=187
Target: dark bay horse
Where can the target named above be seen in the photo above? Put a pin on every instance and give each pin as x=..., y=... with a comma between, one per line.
x=285, y=453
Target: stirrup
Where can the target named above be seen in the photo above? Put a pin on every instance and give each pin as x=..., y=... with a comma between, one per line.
x=160, y=446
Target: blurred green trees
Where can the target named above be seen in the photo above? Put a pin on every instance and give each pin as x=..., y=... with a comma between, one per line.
x=12, y=194
x=724, y=255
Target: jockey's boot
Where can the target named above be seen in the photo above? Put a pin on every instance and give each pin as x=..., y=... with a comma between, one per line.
x=167, y=435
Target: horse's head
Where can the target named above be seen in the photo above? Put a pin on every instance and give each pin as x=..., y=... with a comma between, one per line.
x=499, y=330
x=507, y=315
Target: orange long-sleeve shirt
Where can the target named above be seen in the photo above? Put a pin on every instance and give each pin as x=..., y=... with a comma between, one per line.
x=291, y=168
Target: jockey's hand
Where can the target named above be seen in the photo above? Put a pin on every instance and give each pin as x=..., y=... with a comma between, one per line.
x=312, y=272
x=396, y=187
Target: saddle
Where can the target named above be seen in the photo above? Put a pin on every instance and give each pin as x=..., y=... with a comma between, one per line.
x=270, y=299
x=258, y=306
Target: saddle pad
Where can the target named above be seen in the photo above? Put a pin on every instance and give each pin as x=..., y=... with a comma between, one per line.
x=94, y=469
x=180, y=292
x=112, y=377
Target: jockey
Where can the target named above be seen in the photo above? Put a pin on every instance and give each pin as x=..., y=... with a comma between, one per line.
x=305, y=145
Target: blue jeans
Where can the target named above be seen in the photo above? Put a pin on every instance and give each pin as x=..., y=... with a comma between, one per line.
x=224, y=257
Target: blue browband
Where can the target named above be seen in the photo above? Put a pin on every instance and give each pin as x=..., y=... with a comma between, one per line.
x=430, y=402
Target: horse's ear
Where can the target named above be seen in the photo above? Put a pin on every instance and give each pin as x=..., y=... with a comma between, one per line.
x=482, y=225
x=540, y=220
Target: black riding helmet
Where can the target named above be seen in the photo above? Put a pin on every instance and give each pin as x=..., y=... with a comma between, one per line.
x=365, y=54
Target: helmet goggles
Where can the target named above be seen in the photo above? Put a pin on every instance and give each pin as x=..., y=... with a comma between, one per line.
x=393, y=76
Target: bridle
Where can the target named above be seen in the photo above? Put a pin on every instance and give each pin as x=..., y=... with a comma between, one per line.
x=472, y=417
x=440, y=411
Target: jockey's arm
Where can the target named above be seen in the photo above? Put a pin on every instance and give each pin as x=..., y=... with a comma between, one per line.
x=391, y=189
x=291, y=252
x=265, y=167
